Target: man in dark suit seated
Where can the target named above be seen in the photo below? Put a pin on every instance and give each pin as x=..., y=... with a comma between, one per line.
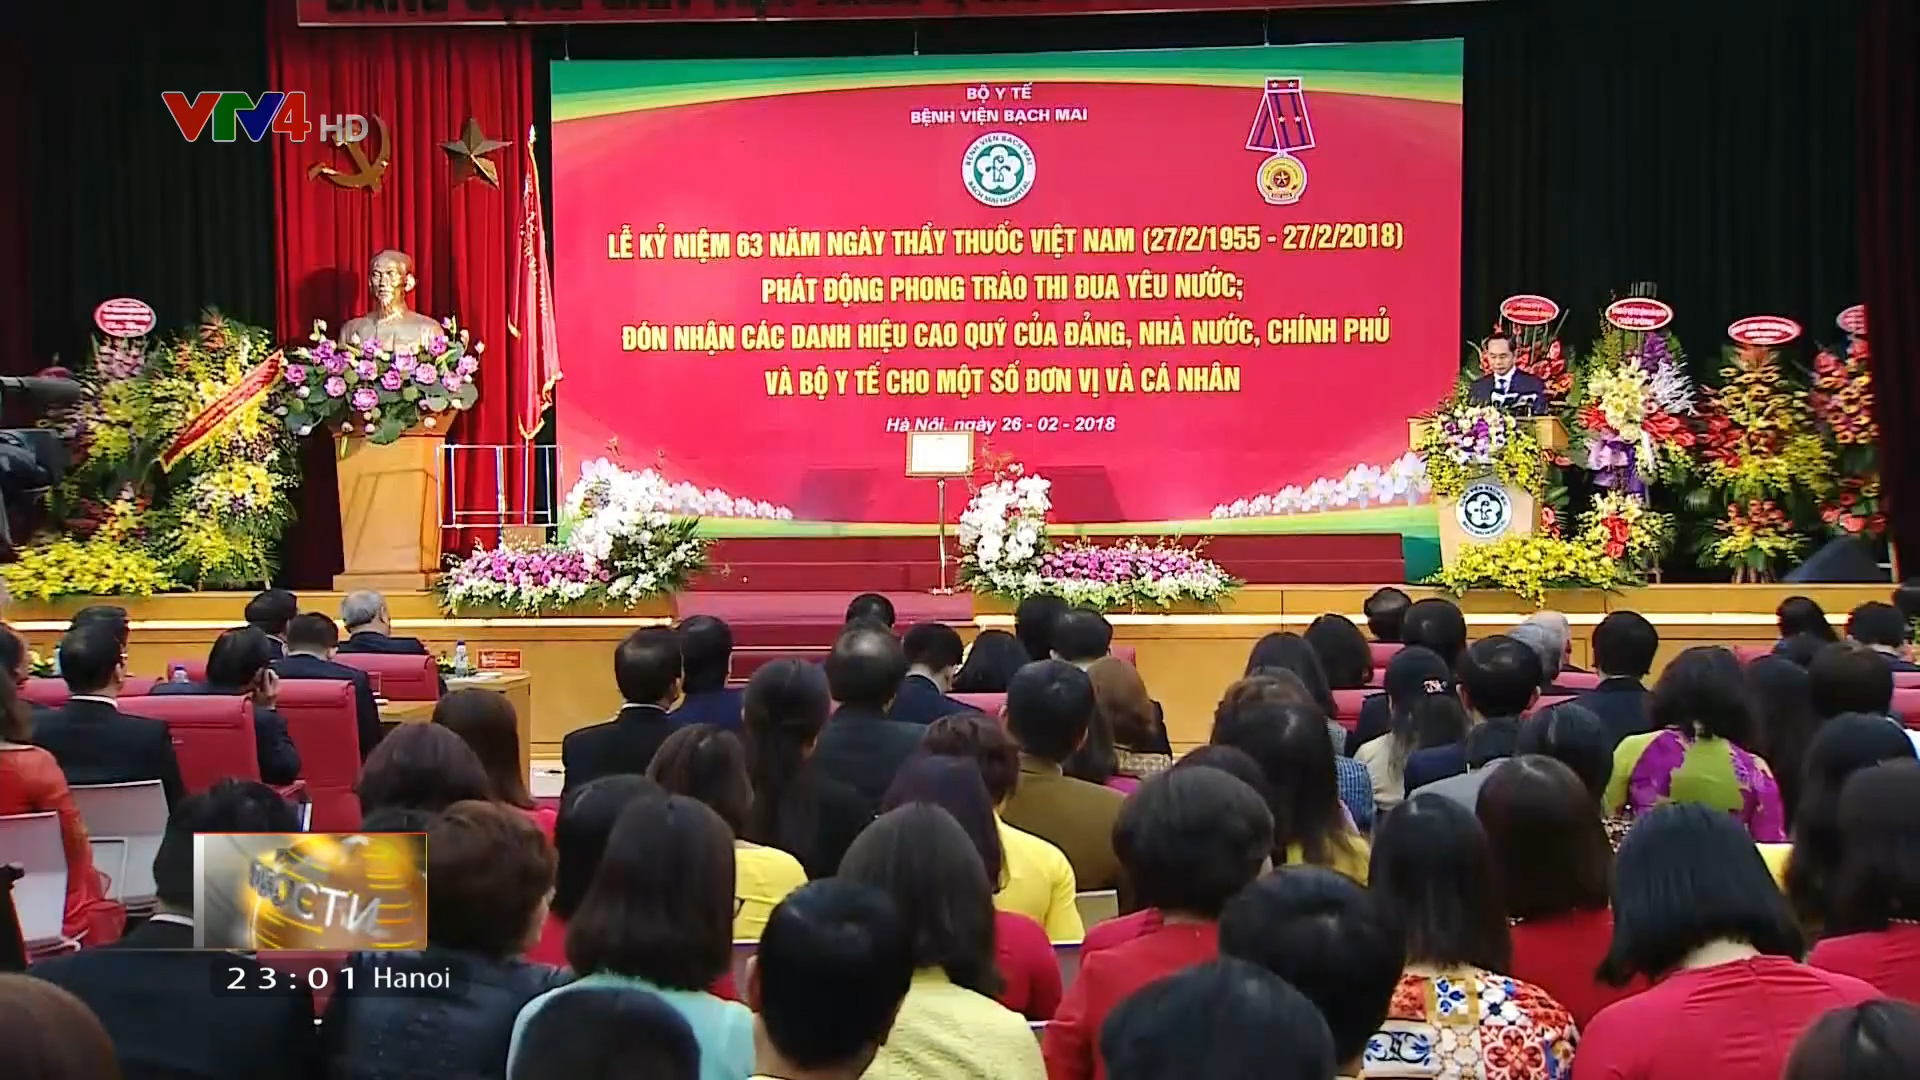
x=162, y=1008
x=1882, y=628
x=91, y=739
x=706, y=654
x=647, y=668
x=370, y=627
x=1551, y=648
x=860, y=747
x=1499, y=683
x=1624, y=645
x=933, y=652
x=871, y=607
x=1386, y=612
x=270, y=612
x=311, y=641
x=1433, y=623
x=240, y=664
x=1505, y=386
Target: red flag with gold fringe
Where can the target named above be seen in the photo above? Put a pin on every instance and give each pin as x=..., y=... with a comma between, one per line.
x=532, y=323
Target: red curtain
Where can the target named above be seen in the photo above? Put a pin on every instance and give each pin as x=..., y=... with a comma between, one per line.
x=1889, y=159
x=424, y=85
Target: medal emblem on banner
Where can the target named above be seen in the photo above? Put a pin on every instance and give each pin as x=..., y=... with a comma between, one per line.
x=1281, y=129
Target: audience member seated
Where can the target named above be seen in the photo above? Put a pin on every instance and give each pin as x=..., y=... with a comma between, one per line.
x=485, y=720
x=1454, y=1013
x=949, y=1024
x=1029, y=974
x=1842, y=747
x=1572, y=735
x=607, y=1034
x=1282, y=686
x=1342, y=650
x=828, y=981
x=240, y=664
x=706, y=658
x=1695, y=912
x=1557, y=624
x=646, y=667
x=933, y=652
x=871, y=608
x=1037, y=881
x=1800, y=648
x=992, y=661
x=31, y=783
x=270, y=612
x=1191, y=839
x=1780, y=695
x=1140, y=744
x=1883, y=629
x=422, y=767
x=1432, y=623
x=1698, y=754
x=1224, y=1020
x=112, y=616
x=861, y=747
x=1049, y=709
x=16, y=660
x=1549, y=649
x=94, y=742
x=1879, y=1040
x=1874, y=895
x=709, y=764
x=1080, y=636
x=1802, y=615
x=1553, y=863
x=1848, y=677
x=795, y=808
x=1096, y=761
x=370, y=627
x=51, y=1035
x=307, y=653
x=659, y=918
x=1386, y=612
x=587, y=817
x=1499, y=683
x=1296, y=760
x=1290, y=653
x=161, y=1007
x=1624, y=645
x=1330, y=940
x=1426, y=713
x=1033, y=623
x=490, y=872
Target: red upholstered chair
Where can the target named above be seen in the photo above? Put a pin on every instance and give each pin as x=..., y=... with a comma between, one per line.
x=1749, y=653
x=52, y=693
x=1578, y=680
x=1906, y=706
x=1125, y=653
x=1906, y=680
x=322, y=718
x=1383, y=651
x=402, y=678
x=212, y=736
x=196, y=670
x=991, y=704
x=138, y=686
x=1346, y=706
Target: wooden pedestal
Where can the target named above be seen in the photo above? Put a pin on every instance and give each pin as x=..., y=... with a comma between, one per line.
x=390, y=512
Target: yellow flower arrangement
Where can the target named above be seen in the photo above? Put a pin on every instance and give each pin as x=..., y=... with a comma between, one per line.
x=104, y=565
x=1528, y=566
x=1626, y=530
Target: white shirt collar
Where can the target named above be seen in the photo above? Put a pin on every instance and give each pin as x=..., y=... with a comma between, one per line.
x=168, y=917
x=115, y=704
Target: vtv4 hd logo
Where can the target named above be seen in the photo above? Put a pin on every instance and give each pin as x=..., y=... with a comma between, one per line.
x=232, y=112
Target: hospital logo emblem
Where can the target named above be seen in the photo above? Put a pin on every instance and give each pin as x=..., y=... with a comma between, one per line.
x=998, y=169
x=1485, y=511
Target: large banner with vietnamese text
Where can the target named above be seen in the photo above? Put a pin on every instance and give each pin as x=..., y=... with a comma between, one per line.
x=1173, y=281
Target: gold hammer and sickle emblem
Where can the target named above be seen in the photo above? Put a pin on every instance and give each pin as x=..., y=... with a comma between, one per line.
x=367, y=174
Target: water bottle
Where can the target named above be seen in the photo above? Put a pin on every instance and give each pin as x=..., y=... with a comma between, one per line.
x=178, y=674
x=460, y=668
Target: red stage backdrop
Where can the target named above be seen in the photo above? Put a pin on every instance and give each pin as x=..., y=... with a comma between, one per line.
x=1168, y=279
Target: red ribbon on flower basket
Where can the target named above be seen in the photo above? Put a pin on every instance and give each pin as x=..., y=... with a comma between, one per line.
x=213, y=419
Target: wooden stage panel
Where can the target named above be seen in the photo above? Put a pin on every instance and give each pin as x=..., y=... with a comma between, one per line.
x=1187, y=657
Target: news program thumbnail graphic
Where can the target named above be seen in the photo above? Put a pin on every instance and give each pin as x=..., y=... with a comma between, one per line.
x=260, y=892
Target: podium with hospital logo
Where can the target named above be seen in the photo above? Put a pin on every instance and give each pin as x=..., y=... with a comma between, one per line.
x=1487, y=509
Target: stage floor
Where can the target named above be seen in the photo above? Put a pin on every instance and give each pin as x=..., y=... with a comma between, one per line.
x=1186, y=657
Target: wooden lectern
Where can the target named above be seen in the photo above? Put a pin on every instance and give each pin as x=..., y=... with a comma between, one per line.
x=390, y=512
x=1489, y=509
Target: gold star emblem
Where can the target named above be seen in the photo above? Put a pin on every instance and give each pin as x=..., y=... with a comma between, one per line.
x=469, y=153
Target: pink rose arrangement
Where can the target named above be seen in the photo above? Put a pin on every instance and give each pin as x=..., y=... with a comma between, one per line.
x=366, y=390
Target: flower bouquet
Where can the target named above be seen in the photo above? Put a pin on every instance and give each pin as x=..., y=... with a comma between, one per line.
x=1466, y=442
x=528, y=581
x=114, y=560
x=1754, y=537
x=368, y=390
x=1633, y=417
x=1627, y=531
x=1003, y=533
x=1842, y=402
x=1402, y=480
x=1529, y=566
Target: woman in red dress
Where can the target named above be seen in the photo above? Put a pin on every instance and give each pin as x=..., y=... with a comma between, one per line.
x=31, y=783
x=1874, y=934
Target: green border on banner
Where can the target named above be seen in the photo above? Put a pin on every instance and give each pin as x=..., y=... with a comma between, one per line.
x=1418, y=70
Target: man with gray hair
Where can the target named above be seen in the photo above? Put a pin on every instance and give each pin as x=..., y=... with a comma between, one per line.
x=370, y=627
x=1539, y=638
x=1562, y=631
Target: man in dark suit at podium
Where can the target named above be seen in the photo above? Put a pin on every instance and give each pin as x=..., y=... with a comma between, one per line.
x=1505, y=386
